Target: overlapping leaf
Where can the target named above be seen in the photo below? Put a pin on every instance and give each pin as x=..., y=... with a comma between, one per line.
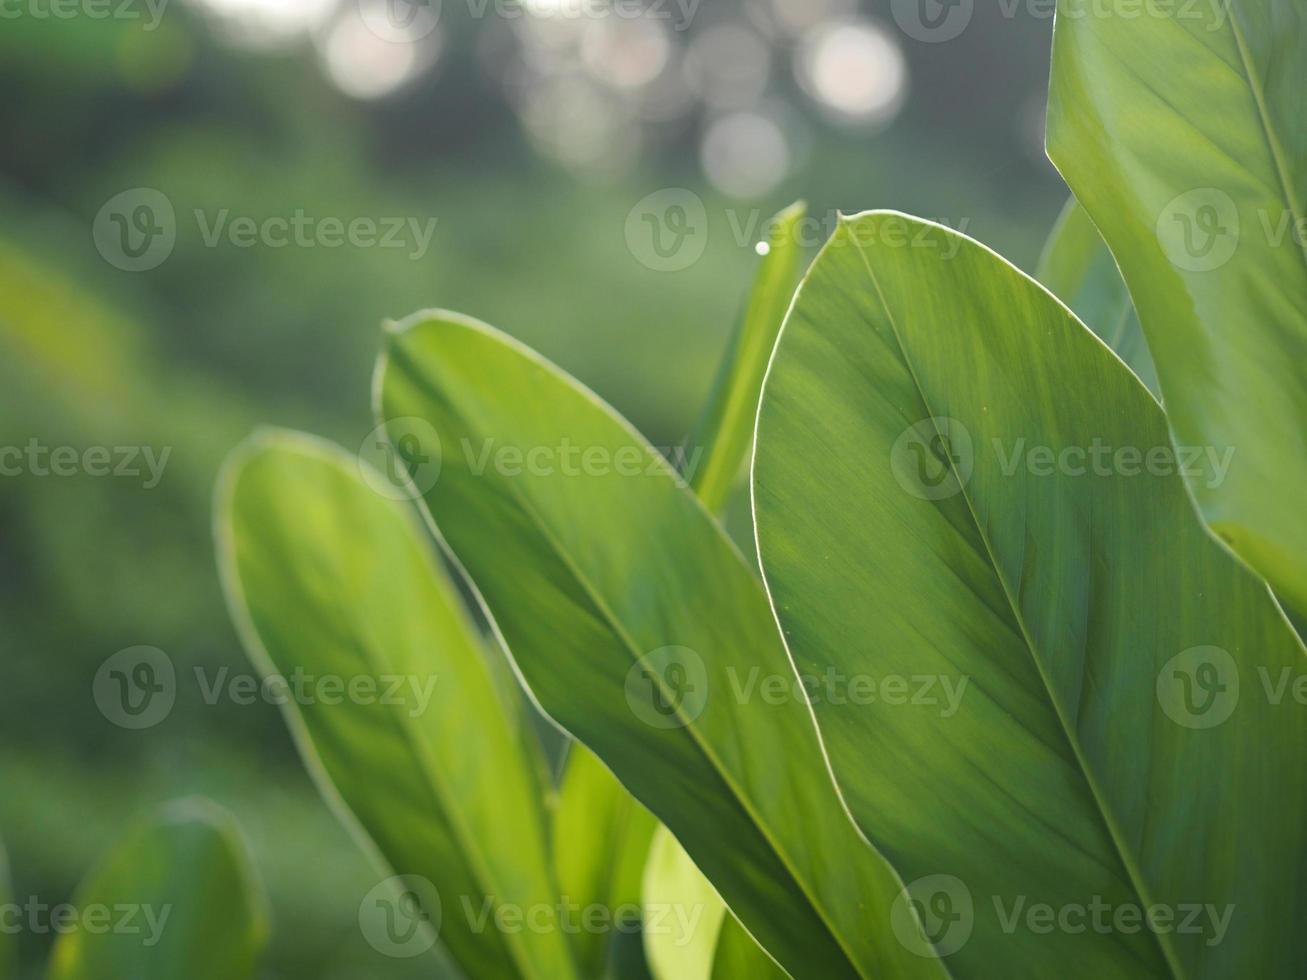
x=330, y=579
x=1180, y=129
x=958, y=489
x=642, y=631
x=196, y=909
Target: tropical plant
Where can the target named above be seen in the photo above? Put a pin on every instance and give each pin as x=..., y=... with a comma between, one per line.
x=177, y=896
x=1014, y=694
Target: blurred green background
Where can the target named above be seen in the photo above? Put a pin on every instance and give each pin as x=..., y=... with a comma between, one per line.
x=529, y=133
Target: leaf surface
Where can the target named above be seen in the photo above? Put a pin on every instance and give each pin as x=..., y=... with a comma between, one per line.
x=197, y=910
x=1050, y=680
x=1180, y=128
x=643, y=632
x=328, y=578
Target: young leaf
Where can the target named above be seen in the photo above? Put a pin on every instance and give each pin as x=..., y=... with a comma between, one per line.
x=725, y=432
x=642, y=631
x=687, y=911
x=695, y=938
x=601, y=842
x=1182, y=134
x=964, y=500
x=328, y=579
x=1078, y=269
x=196, y=910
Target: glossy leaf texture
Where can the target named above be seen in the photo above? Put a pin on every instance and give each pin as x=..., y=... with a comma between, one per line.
x=329, y=578
x=1182, y=133
x=724, y=435
x=198, y=910
x=642, y=631
x=1049, y=684
x=1079, y=270
x=601, y=842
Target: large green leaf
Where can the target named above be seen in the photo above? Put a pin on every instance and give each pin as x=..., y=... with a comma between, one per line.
x=177, y=897
x=918, y=535
x=601, y=842
x=329, y=578
x=1182, y=128
x=725, y=432
x=643, y=632
x=1078, y=269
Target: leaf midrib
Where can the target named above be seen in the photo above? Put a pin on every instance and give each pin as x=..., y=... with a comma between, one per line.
x=601, y=606
x=1136, y=876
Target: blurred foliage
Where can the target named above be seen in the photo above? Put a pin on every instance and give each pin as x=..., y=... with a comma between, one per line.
x=192, y=354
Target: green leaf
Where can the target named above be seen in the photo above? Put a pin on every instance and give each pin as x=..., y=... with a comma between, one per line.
x=1182, y=133
x=919, y=537
x=641, y=630
x=695, y=938
x=725, y=432
x=328, y=578
x=1078, y=269
x=738, y=957
x=196, y=909
x=685, y=913
x=601, y=842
